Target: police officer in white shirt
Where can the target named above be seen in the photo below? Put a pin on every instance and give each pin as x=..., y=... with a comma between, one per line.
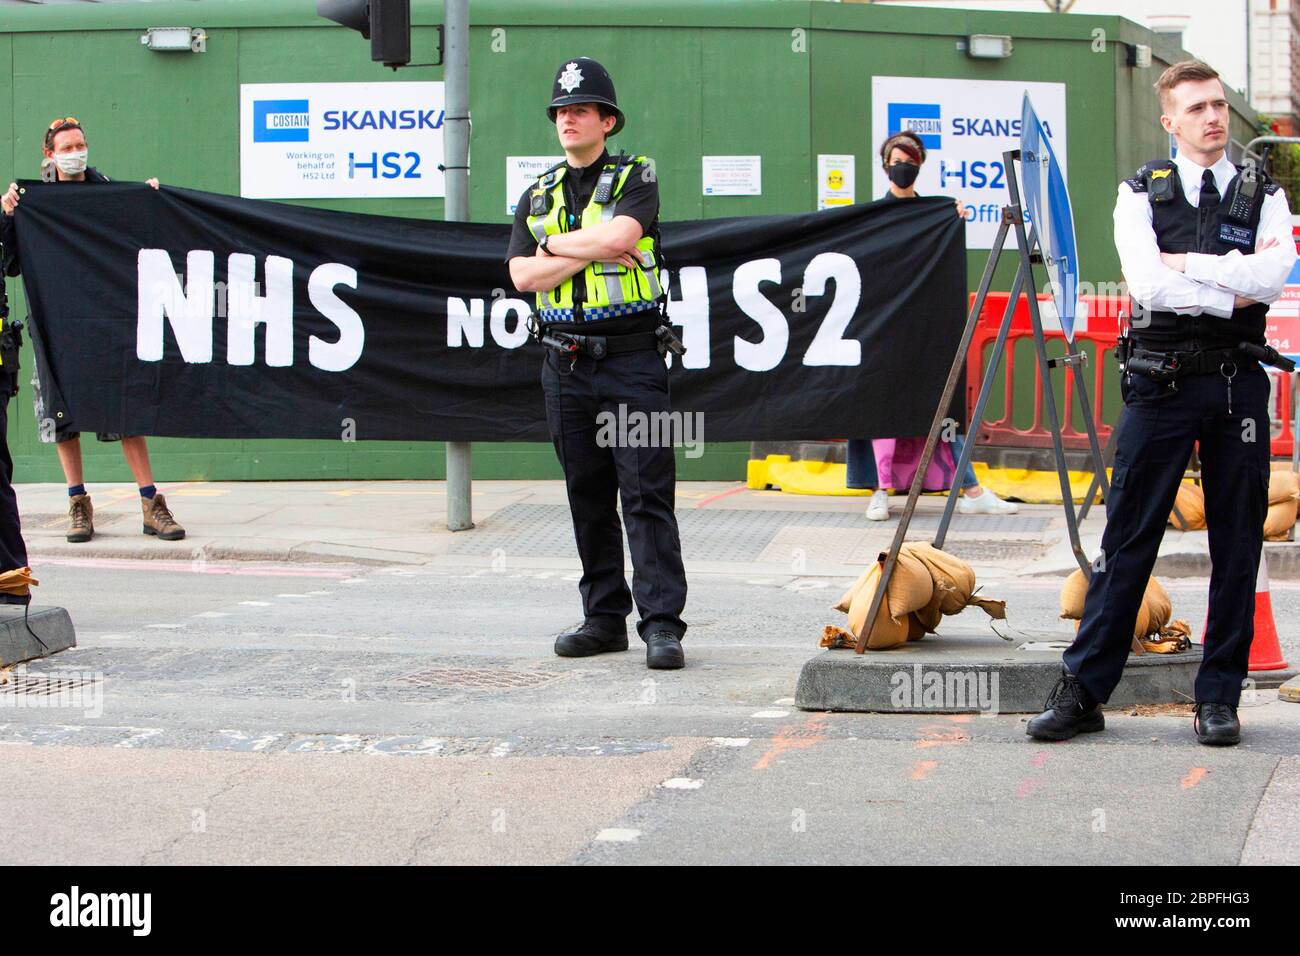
x=1204, y=247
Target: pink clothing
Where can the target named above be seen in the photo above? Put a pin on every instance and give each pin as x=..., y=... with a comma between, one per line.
x=897, y=458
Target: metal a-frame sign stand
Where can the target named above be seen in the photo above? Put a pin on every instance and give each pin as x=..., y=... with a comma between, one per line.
x=1012, y=218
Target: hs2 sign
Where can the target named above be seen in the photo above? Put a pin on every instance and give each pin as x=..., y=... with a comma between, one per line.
x=830, y=274
x=191, y=305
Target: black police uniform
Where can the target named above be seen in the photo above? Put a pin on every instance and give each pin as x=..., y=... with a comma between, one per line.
x=577, y=389
x=13, y=552
x=1218, y=398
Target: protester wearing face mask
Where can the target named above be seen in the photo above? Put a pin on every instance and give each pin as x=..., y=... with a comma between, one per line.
x=66, y=153
x=886, y=463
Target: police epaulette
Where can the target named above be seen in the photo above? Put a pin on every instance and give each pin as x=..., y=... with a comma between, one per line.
x=545, y=178
x=1271, y=187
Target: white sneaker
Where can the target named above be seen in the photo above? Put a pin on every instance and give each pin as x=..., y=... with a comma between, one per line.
x=878, y=510
x=986, y=504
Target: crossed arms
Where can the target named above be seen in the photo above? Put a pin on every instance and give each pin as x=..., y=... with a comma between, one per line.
x=1192, y=283
x=613, y=241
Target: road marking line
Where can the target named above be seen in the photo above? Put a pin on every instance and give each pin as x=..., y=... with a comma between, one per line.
x=922, y=769
x=731, y=741
x=795, y=737
x=153, y=566
x=1193, y=777
x=771, y=714
x=1028, y=786
x=617, y=835
x=723, y=494
x=682, y=783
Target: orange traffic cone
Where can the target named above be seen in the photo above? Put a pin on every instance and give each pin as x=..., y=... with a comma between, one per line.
x=1265, y=652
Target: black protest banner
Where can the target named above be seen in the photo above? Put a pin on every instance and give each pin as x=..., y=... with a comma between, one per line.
x=184, y=313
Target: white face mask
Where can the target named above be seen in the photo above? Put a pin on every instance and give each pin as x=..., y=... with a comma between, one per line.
x=71, y=164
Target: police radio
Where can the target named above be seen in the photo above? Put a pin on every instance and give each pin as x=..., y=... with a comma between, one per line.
x=1243, y=197
x=605, y=184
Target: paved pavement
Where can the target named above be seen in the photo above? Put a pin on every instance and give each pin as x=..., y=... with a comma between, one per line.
x=295, y=682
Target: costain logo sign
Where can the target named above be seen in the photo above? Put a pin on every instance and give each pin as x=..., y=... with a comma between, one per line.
x=281, y=121
x=923, y=119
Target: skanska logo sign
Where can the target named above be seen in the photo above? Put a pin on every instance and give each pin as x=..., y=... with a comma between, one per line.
x=281, y=121
x=923, y=119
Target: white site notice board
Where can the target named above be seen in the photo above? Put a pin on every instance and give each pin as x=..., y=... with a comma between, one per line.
x=965, y=125
x=341, y=140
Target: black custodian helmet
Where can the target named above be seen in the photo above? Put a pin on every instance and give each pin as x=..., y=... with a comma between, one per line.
x=583, y=80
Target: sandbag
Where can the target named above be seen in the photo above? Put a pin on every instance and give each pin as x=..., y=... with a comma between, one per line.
x=846, y=599
x=910, y=588
x=1172, y=639
x=836, y=637
x=954, y=587
x=886, y=631
x=895, y=583
x=954, y=579
x=1156, y=600
x=1190, y=503
x=1283, y=486
x=1153, y=613
x=926, y=584
x=1073, y=592
x=17, y=582
x=1279, y=520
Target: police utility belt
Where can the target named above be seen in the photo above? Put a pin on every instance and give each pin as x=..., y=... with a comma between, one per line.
x=1168, y=366
x=570, y=345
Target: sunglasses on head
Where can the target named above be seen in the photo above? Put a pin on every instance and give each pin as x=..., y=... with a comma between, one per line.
x=65, y=121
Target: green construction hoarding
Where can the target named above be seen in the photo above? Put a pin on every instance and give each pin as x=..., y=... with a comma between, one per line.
x=799, y=84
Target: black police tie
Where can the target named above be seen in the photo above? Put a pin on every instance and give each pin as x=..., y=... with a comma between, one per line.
x=1209, y=191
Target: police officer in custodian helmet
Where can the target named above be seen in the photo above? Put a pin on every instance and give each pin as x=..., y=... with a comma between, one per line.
x=586, y=242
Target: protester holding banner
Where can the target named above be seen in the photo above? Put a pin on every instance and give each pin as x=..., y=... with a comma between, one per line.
x=66, y=153
x=1204, y=247
x=891, y=463
x=586, y=241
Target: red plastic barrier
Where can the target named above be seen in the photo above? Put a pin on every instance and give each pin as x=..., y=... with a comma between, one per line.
x=1099, y=325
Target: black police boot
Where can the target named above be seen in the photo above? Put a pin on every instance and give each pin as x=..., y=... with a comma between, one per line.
x=663, y=651
x=590, y=639
x=1217, y=724
x=1070, y=711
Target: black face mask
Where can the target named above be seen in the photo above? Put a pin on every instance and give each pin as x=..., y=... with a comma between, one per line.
x=903, y=175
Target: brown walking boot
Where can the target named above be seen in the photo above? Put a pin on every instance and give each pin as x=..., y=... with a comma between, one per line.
x=82, y=515
x=158, y=520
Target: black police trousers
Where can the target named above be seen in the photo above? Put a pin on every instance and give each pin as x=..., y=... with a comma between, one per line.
x=13, y=552
x=1156, y=435
x=599, y=463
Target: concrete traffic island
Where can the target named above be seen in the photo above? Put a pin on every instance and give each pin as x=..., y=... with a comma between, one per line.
x=51, y=624
x=976, y=672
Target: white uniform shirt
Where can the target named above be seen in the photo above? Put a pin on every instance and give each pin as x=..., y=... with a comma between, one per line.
x=1210, y=282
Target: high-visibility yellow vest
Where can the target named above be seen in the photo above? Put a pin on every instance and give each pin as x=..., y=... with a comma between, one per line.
x=611, y=286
